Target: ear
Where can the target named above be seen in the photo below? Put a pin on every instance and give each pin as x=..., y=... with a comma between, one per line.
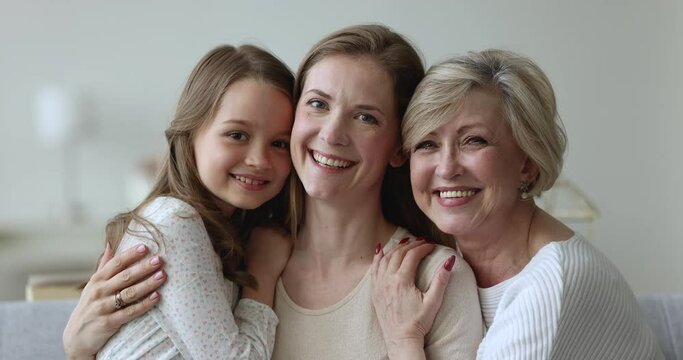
x=529, y=171
x=398, y=158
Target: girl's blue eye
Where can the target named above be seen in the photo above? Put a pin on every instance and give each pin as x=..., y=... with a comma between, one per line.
x=317, y=104
x=367, y=118
x=282, y=144
x=425, y=145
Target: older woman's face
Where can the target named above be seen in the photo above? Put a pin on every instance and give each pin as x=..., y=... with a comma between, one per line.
x=467, y=172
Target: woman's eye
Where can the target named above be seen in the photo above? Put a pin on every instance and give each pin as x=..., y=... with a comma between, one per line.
x=282, y=144
x=367, y=118
x=317, y=104
x=474, y=140
x=425, y=145
x=237, y=135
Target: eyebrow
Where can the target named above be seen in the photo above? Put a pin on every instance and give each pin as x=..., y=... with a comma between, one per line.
x=238, y=121
x=463, y=129
x=319, y=92
x=287, y=133
x=361, y=106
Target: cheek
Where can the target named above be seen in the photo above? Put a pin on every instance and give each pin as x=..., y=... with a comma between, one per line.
x=420, y=176
x=300, y=128
x=283, y=166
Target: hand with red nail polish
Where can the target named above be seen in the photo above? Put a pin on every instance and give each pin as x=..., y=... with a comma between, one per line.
x=405, y=313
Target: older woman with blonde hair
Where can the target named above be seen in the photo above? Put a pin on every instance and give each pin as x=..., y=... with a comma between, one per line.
x=484, y=138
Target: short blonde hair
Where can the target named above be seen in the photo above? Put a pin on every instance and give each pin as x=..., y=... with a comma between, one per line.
x=527, y=98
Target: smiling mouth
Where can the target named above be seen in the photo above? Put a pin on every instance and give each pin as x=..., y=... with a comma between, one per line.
x=248, y=180
x=456, y=194
x=329, y=162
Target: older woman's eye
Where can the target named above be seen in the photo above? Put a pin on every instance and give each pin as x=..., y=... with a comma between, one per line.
x=317, y=104
x=425, y=145
x=475, y=140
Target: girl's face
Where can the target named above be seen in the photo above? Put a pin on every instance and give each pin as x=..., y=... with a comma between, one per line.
x=346, y=128
x=467, y=172
x=242, y=154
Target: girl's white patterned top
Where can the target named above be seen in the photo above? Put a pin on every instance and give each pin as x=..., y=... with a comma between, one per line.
x=194, y=318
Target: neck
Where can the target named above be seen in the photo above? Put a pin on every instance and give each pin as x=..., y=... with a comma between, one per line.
x=501, y=248
x=341, y=232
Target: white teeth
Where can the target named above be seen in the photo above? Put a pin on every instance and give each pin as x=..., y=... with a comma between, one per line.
x=330, y=162
x=249, y=181
x=456, y=194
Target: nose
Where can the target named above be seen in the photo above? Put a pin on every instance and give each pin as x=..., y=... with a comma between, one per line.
x=333, y=131
x=449, y=165
x=258, y=157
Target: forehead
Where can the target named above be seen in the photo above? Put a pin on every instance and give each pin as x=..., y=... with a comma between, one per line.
x=480, y=107
x=355, y=77
x=256, y=103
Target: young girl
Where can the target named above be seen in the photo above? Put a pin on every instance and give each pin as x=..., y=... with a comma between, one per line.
x=227, y=163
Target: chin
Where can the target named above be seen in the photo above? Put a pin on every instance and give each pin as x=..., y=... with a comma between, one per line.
x=244, y=204
x=452, y=226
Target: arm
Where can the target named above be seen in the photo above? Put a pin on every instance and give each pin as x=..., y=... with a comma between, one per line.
x=408, y=313
x=196, y=311
x=267, y=253
x=95, y=319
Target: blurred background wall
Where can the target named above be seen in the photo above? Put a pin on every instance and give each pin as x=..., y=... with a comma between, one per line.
x=615, y=66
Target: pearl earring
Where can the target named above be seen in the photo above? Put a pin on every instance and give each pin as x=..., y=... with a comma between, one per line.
x=524, y=189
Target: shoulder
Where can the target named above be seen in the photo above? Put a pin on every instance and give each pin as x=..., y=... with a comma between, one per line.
x=172, y=222
x=583, y=267
x=437, y=258
x=269, y=231
x=164, y=208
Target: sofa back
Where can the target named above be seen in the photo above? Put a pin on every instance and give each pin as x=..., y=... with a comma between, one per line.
x=33, y=330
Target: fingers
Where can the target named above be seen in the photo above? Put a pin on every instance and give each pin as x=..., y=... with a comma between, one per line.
x=134, y=293
x=132, y=311
x=414, y=257
x=396, y=255
x=379, y=254
x=434, y=295
x=132, y=274
x=106, y=256
x=120, y=262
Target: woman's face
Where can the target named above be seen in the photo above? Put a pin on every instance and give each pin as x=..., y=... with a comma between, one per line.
x=242, y=154
x=467, y=173
x=346, y=128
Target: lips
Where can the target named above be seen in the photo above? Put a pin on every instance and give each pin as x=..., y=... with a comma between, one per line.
x=250, y=182
x=331, y=161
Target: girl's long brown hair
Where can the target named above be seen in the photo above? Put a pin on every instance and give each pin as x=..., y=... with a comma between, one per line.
x=178, y=176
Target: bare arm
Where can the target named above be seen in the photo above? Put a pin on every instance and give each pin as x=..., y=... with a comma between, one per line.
x=267, y=254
